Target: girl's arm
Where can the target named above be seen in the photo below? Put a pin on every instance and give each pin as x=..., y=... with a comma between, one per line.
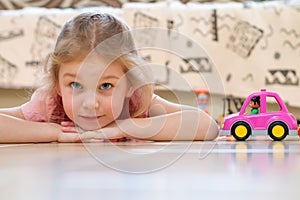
x=168, y=121
x=14, y=129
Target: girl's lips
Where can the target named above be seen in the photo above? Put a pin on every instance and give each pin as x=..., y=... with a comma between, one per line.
x=90, y=117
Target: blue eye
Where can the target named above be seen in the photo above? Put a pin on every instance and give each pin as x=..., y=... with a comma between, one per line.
x=76, y=85
x=106, y=86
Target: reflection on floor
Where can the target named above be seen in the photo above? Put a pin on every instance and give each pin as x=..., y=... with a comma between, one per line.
x=222, y=169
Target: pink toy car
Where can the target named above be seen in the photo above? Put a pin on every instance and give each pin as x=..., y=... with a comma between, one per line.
x=277, y=123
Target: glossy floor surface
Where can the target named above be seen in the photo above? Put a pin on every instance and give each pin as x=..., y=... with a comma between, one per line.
x=222, y=169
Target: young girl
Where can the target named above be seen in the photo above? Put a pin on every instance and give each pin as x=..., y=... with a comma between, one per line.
x=98, y=88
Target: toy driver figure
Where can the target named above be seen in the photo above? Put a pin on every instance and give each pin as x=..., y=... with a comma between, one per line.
x=254, y=105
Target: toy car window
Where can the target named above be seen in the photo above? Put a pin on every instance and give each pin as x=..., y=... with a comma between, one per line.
x=272, y=105
x=248, y=110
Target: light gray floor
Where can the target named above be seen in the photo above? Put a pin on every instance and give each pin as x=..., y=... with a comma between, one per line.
x=222, y=169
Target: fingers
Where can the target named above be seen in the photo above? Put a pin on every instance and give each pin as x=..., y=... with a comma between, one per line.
x=92, y=135
x=69, y=129
x=69, y=132
x=69, y=137
x=67, y=123
x=72, y=133
x=104, y=134
x=68, y=126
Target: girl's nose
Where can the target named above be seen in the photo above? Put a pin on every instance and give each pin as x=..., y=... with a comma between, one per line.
x=91, y=103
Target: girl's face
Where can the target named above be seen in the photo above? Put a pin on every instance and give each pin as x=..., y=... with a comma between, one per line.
x=92, y=93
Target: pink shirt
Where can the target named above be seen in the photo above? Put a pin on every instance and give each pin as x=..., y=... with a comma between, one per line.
x=44, y=107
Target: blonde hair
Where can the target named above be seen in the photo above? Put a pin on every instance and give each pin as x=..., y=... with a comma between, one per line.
x=82, y=35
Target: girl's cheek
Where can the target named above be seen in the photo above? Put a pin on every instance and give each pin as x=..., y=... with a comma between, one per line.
x=71, y=106
x=118, y=108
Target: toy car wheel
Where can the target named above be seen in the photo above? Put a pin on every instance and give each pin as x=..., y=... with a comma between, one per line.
x=278, y=130
x=241, y=131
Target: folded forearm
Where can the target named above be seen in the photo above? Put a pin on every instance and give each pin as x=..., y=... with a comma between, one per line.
x=15, y=130
x=184, y=125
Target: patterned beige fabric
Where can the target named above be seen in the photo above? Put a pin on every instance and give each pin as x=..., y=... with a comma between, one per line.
x=19, y=4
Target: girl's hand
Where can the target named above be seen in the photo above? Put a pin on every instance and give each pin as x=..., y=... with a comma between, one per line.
x=68, y=133
x=110, y=132
x=71, y=133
